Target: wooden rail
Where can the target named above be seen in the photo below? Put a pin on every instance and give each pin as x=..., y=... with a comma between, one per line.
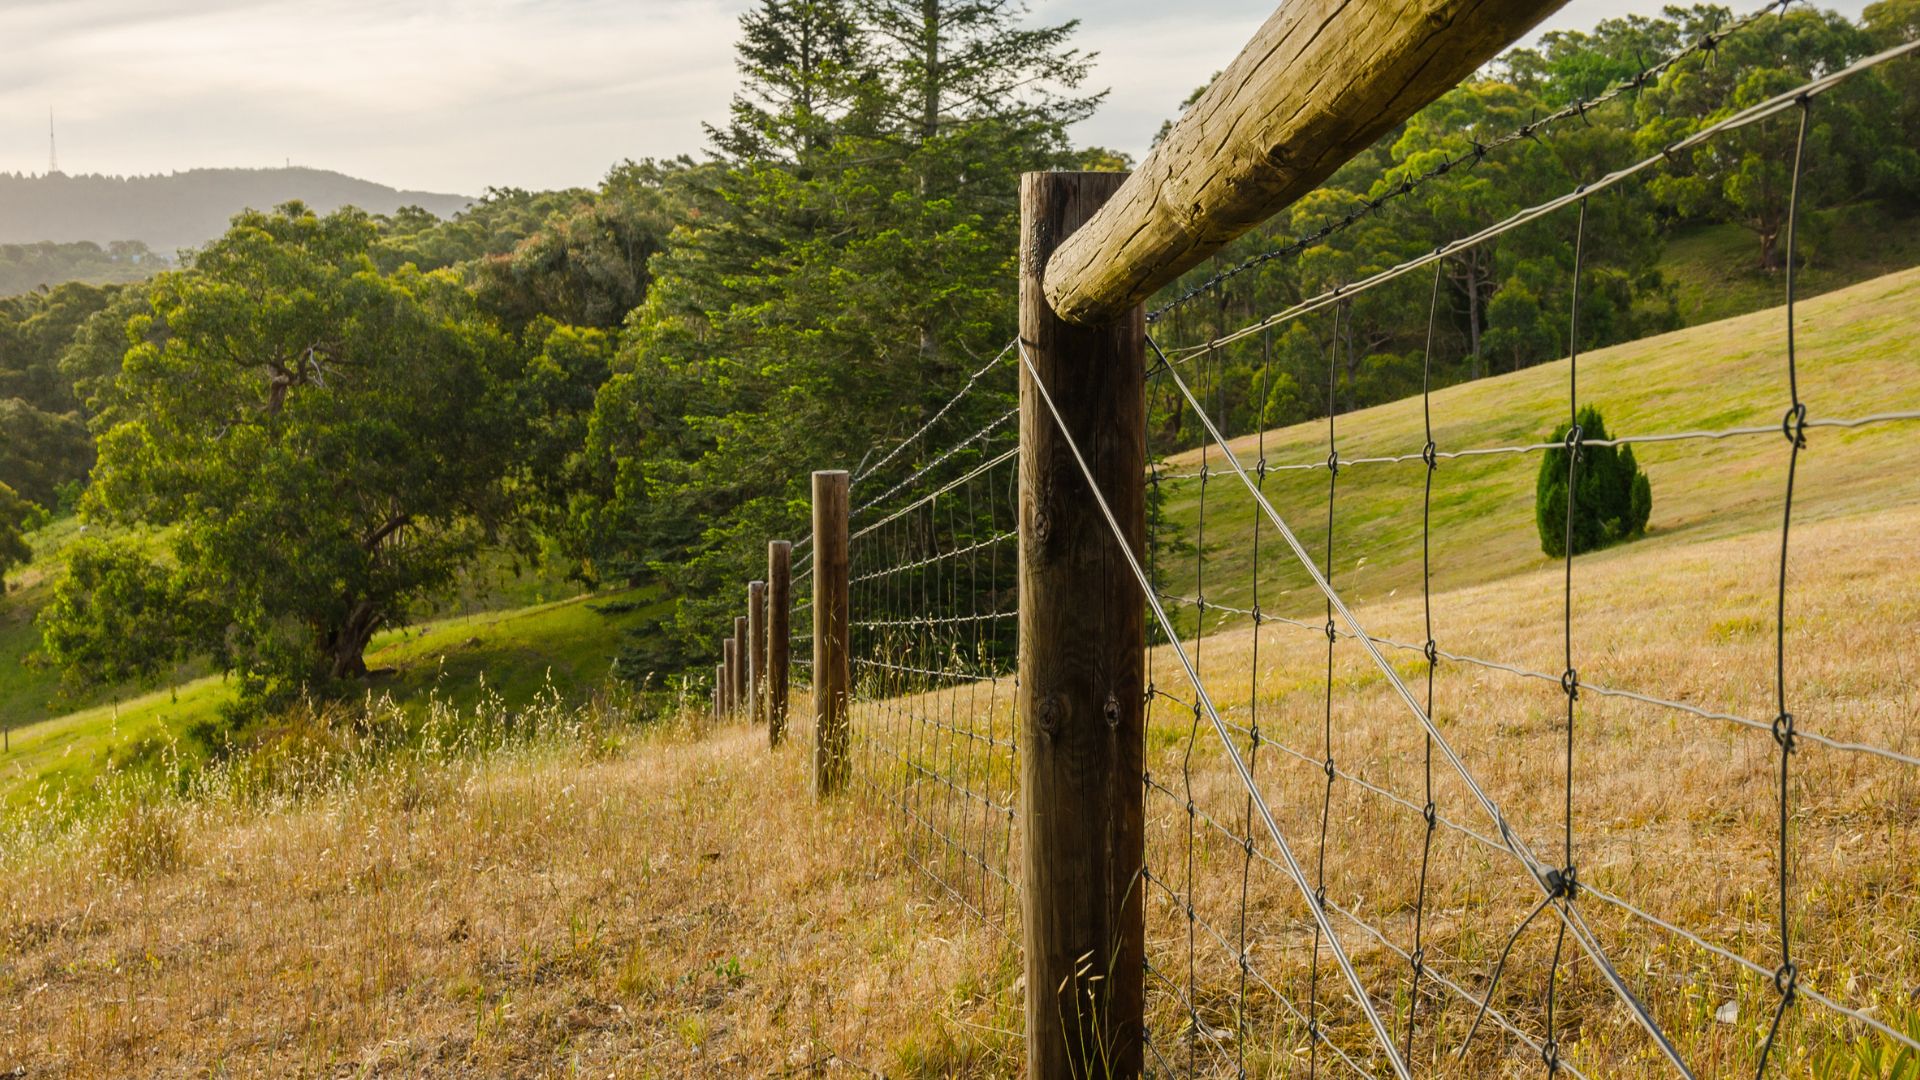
x=1318, y=84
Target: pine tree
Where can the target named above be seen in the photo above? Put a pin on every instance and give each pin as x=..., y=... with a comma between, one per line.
x=847, y=271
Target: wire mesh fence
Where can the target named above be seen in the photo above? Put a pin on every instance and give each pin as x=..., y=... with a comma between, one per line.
x=934, y=593
x=1407, y=815
x=1536, y=931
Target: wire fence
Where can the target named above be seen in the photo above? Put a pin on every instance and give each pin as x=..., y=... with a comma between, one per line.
x=1423, y=853
x=934, y=602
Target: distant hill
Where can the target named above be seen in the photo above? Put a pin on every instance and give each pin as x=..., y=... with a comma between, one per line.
x=185, y=209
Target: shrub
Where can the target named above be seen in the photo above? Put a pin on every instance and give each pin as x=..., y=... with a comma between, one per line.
x=1612, y=497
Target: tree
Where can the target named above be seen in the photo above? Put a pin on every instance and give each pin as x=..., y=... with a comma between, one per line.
x=1745, y=176
x=803, y=69
x=1613, y=499
x=14, y=549
x=838, y=280
x=118, y=618
x=323, y=442
x=41, y=452
x=1890, y=23
x=587, y=264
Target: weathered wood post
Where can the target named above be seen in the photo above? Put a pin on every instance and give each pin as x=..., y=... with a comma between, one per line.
x=727, y=679
x=831, y=603
x=757, y=651
x=740, y=664
x=719, y=692
x=1082, y=659
x=779, y=625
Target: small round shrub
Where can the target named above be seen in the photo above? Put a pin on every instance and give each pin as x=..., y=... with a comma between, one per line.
x=1612, y=497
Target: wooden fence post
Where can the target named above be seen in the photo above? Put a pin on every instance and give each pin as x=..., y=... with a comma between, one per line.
x=719, y=692
x=740, y=657
x=757, y=651
x=779, y=617
x=727, y=679
x=831, y=603
x=1082, y=660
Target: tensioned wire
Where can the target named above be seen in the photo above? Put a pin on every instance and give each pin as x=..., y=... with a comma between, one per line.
x=926, y=578
x=1262, y=617
x=1538, y=871
x=1785, y=978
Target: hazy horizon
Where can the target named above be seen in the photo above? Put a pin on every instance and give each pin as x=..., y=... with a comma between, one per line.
x=455, y=98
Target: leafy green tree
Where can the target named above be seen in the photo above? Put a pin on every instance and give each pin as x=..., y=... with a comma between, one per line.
x=34, y=329
x=1612, y=498
x=119, y=618
x=587, y=265
x=323, y=443
x=14, y=549
x=804, y=69
x=1746, y=176
x=40, y=452
x=1576, y=65
x=91, y=360
x=1890, y=23
x=493, y=226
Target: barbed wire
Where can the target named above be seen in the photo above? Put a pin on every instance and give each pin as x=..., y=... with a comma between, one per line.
x=1753, y=114
x=1476, y=152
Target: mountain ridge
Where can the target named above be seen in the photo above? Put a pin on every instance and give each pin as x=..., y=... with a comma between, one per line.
x=174, y=211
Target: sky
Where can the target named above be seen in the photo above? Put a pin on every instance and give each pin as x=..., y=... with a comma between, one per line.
x=454, y=97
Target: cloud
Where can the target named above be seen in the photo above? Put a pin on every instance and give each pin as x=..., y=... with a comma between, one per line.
x=434, y=94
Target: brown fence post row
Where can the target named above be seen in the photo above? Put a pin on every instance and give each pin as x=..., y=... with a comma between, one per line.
x=757, y=651
x=831, y=603
x=1082, y=659
x=729, y=658
x=739, y=663
x=779, y=616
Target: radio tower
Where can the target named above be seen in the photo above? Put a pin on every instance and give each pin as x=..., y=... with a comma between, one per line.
x=53, y=148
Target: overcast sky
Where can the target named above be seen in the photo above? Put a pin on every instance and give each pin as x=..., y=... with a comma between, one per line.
x=455, y=96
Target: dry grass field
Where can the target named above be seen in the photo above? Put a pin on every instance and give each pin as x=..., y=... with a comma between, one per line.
x=677, y=905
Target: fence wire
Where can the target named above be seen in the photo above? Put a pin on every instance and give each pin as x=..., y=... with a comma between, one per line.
x=1359, y=865
x=932, y=570
x=1240, y=982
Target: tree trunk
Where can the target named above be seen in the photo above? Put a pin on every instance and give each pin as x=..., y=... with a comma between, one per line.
x=1473, y=315
x=346, y=644
x=930, y=56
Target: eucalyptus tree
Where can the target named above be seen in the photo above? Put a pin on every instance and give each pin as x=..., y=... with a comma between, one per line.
x=318, y=443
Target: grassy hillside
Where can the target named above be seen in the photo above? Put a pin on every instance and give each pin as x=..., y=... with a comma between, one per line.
x=1859, y=353
x=505, y=629
x=29, y=694
x=514, y=654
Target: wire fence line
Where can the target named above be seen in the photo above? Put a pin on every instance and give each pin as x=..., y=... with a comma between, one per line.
x=1290, y=923
x=932, y=583
x=1560, y=886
